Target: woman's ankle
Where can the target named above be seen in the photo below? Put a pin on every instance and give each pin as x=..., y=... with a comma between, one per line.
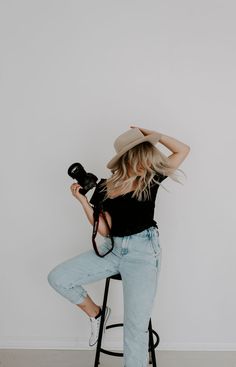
x=99, y=313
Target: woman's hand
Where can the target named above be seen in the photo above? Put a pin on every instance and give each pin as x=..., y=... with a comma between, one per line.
x=144, y=131
x=75, y=192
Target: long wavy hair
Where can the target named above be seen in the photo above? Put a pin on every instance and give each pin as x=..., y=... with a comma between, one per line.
x=137, y=168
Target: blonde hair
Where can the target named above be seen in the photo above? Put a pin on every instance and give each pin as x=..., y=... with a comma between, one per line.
x=126, y=172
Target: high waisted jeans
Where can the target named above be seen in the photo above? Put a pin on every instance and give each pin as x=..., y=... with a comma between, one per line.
x=138, y=259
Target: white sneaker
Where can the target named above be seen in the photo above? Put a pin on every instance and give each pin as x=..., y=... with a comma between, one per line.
x=95, y=325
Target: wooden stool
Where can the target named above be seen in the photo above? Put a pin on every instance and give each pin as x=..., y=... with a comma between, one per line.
x=99, y=349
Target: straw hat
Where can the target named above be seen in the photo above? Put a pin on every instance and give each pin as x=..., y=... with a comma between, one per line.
x=128, y=140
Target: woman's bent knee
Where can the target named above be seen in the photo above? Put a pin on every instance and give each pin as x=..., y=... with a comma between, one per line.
x=59, y=278
x=53, y=278
x=50, y=277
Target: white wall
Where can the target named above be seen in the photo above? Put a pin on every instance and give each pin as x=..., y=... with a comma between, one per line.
x=75, y=75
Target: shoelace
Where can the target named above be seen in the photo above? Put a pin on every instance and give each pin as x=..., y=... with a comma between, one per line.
x=94, y=321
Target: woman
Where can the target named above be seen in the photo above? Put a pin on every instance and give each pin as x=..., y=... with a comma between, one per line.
x=129, y=201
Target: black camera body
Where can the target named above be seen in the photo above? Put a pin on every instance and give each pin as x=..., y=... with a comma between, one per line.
x=86, y=179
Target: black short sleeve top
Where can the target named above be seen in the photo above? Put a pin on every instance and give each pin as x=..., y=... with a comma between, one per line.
x=129, y=215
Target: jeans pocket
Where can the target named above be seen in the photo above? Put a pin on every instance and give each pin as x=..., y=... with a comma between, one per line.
x=155, y=244
x=156, y=251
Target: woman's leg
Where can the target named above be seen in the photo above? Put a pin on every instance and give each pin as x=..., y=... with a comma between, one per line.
x=139, y=270
x=89, y=307
x=67, y=278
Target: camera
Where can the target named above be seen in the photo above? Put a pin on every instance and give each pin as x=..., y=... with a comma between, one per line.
x=86, y=179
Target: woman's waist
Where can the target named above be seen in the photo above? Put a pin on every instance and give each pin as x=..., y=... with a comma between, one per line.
x=135, y=229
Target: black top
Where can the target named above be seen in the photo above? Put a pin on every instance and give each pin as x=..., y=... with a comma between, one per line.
x=130, y=216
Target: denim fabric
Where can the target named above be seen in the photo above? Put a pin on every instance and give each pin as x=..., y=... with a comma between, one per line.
x=137, y=258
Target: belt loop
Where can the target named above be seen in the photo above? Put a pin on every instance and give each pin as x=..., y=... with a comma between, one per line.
x=125, y=241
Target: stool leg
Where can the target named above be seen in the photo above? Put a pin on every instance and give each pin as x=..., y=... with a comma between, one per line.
x=152, y=350
x=99, y=342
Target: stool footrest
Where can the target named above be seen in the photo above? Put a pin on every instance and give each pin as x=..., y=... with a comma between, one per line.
x=114, y=325
x=117, y=354
x=121, y=354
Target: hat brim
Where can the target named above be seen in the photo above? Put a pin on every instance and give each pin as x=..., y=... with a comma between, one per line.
x=152, y=138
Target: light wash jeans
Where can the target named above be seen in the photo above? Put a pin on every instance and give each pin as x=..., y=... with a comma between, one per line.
x=137, y=258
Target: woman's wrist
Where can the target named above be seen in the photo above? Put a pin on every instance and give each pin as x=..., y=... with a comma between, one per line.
x=160, y=136
x=84, y=201
x=149, y=132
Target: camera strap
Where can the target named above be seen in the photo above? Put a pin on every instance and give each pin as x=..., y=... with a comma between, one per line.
x=97, y=211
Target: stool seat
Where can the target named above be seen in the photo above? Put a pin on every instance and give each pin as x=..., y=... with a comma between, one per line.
x=99, y=349
x=115, y=276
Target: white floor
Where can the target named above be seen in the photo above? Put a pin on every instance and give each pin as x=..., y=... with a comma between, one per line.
x=72, y=358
